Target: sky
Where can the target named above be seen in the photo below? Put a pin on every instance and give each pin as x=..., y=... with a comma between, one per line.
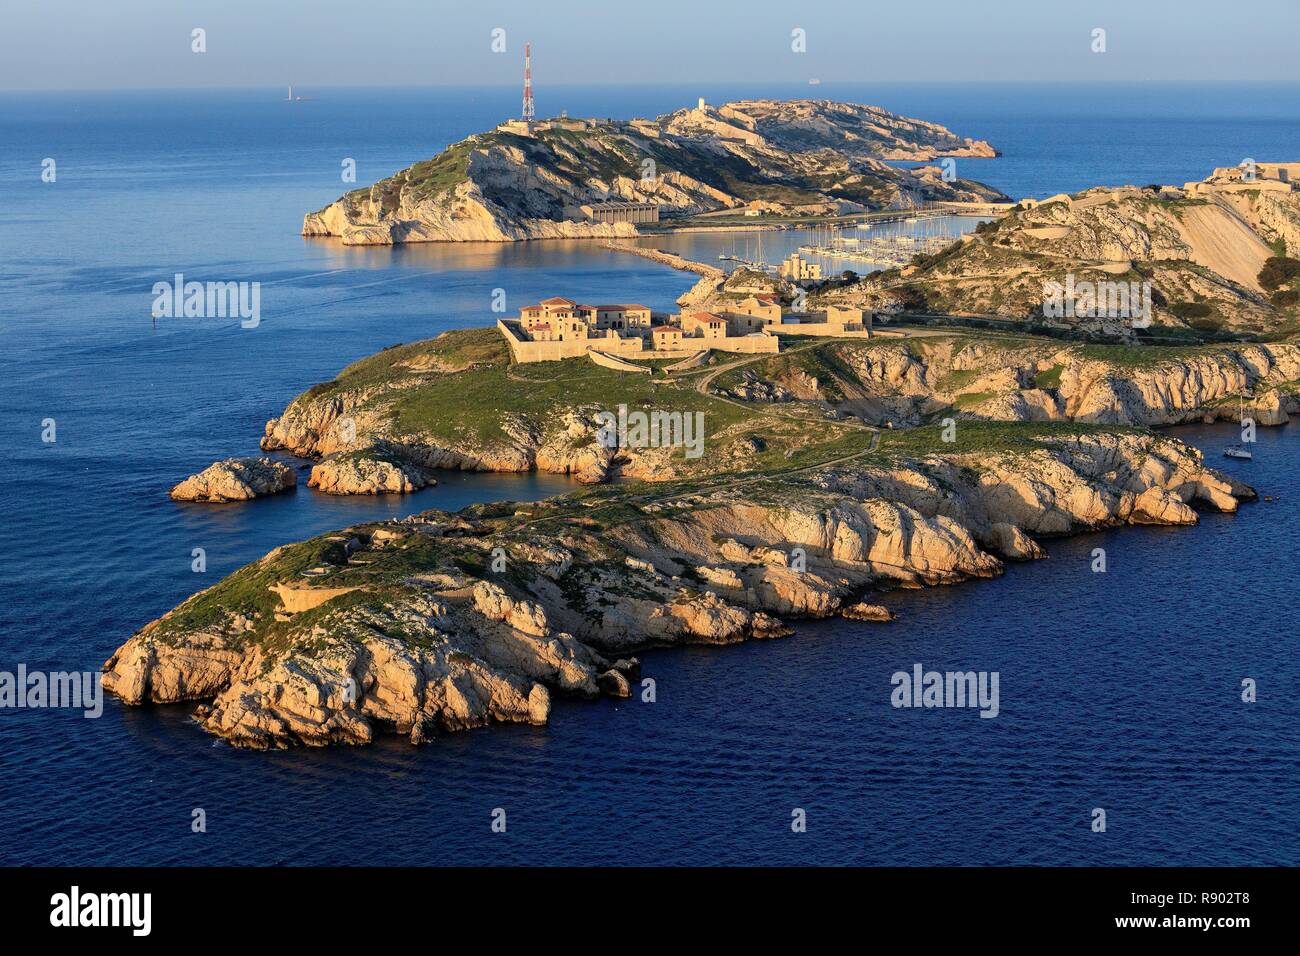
x=114, y=44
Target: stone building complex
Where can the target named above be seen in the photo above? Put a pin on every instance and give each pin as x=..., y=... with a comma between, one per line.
x=559, y=328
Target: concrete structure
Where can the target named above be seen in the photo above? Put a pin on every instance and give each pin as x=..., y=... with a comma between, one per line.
x=605, y=360
x=1269, y=177
x=704, y=325
x=1263, y=172
x=848, y=318
x=621, y=211
x=533, y=127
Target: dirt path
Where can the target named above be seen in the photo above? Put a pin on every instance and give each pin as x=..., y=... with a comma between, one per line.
x=733, y=482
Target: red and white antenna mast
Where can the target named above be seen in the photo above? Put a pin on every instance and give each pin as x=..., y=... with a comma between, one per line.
x=528, y=82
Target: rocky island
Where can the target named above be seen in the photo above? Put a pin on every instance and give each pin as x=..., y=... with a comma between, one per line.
x=583, y=178
x=236, y=479
x=782, y=464
x=835, y=472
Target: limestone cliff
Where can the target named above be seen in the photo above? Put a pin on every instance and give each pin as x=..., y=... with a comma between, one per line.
x=806, y=156
x=456, y=402
x=1201, y=253
x=236, y=479
x=1006, y=378
x=442, y=622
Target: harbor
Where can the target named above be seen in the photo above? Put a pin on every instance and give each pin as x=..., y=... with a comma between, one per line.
x=868, y=246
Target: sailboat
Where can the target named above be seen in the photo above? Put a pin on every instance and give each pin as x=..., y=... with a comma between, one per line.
x=1239, y=450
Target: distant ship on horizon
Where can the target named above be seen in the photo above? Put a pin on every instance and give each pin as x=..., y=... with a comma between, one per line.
x=297, y=99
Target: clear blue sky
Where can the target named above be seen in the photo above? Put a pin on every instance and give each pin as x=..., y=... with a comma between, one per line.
x=107, y=44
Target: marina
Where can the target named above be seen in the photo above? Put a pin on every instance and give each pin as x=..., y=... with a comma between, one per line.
x=878, y=244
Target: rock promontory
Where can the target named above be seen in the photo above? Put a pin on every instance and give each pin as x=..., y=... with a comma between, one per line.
x=236, y=479
x=441, y=622
x=1216, y=257
x=456, y=402
x=531, y=181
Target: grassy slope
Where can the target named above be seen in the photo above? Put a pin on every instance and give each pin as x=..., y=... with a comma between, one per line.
x=464, y=387
x=591, y=510
x=1029, y=263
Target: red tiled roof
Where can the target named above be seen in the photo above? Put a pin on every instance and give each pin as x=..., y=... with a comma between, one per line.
x=542, y=325
x=666, y=328
x=558, y=300
x=765, y=297
x=623, y=306
x=707, y=316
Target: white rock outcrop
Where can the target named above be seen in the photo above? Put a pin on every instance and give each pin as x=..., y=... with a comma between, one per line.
x=236, y=479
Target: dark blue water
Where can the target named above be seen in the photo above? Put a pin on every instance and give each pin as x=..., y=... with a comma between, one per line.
x=1118, y=691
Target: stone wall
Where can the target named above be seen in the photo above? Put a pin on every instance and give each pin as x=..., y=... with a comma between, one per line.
x=525, y=351
x=823, y=329
x=617, y=364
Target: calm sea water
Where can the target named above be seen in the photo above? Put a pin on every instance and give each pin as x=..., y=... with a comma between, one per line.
x=1118, y=691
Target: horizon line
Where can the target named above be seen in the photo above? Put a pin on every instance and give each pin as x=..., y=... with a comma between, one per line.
x=675, y=83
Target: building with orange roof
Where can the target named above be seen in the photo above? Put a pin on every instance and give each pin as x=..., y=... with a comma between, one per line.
x=558, y=328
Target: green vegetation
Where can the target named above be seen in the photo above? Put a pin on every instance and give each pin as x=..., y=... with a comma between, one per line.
x=971, y=399
x=1049, y=378
x=461, y=390
x=957, y=380
x=824, y=362
x=1277, y=271
x=429, y=178
x=1141, y=356
x=433, y=177
x=986, y=436
x=470, y=406
x=1191, y=310
x=459, y=349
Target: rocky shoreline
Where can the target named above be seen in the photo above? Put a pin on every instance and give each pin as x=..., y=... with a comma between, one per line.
x=883, y=382
x=531, y=181
x=236, y=479
x=441, y=622
x=802, y=510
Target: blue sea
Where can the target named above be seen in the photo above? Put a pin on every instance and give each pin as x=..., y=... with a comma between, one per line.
x=1118, y=691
